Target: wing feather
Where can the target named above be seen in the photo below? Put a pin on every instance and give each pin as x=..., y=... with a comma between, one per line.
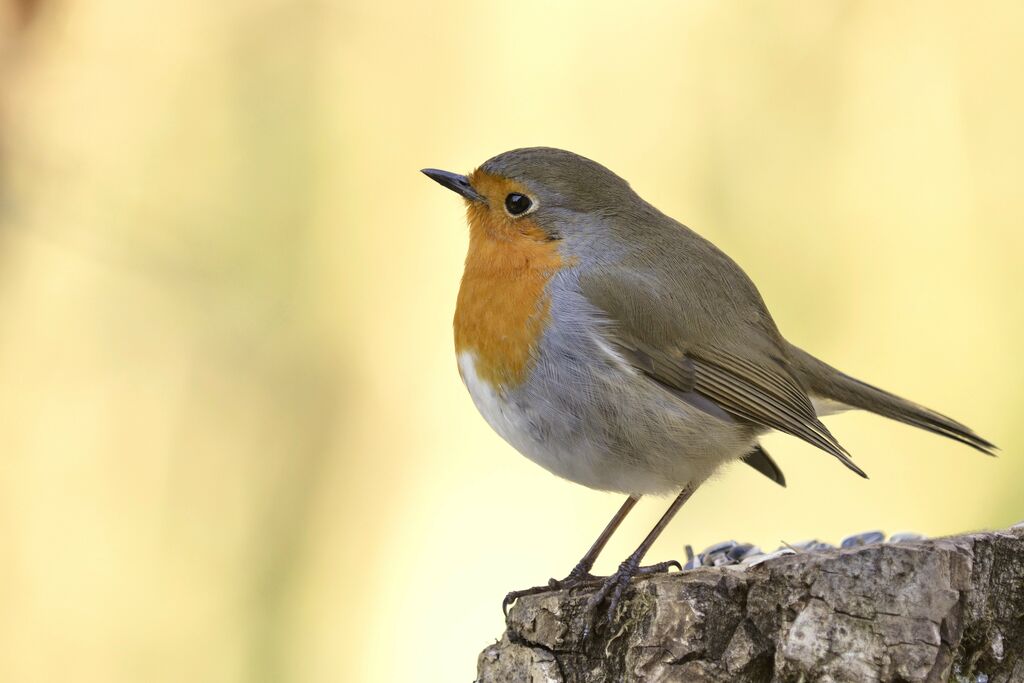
x=736, y=360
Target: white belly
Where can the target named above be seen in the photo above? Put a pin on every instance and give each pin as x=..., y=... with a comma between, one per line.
x=534, y=431
x=504, y=417
x=539, y=426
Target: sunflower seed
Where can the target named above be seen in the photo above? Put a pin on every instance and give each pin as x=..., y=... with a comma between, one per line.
x=866, y=538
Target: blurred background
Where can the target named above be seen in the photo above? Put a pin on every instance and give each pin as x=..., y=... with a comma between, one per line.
x=234, y=445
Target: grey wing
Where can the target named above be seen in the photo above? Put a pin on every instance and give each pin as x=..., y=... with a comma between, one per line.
x=765, y=397
x=737, y=362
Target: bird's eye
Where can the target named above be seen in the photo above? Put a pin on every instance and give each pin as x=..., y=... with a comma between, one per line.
x=517, y=204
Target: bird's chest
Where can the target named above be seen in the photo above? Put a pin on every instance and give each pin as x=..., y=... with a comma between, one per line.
x=503, y=308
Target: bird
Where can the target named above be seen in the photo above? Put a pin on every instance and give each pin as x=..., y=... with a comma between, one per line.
x=620, y=350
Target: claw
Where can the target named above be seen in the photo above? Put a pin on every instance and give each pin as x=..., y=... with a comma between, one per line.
x=512, y=596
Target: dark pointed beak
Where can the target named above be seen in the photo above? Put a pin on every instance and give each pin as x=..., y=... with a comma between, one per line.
x=455, y=183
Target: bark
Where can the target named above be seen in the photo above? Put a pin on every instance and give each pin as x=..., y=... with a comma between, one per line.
x=949, y=609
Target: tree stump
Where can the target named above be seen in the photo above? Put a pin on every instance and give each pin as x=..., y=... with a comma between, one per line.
x=947, y=609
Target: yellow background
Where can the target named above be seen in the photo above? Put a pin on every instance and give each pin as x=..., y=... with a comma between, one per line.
x=234, y=443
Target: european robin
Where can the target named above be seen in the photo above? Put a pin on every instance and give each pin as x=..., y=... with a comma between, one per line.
x=617, y=348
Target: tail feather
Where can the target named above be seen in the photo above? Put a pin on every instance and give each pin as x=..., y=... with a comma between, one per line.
x=763, y=463
x=825, y=381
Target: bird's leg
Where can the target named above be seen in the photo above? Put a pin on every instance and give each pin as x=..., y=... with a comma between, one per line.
x=617, y=582
x=581, y=572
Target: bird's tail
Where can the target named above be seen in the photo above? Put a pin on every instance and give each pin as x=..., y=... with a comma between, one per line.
x=822, y=380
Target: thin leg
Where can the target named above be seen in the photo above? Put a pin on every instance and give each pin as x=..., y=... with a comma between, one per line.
x=581, y=572
x=583, y=567
x=618, y=581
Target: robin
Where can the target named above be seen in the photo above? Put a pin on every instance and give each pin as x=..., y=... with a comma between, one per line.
x=618, y=349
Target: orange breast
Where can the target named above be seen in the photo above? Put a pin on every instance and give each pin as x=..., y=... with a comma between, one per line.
x=502, y=306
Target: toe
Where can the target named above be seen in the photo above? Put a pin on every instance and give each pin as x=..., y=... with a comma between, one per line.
x=614, y=585
x=510, y=598
x=659, y=568
x=613, y=604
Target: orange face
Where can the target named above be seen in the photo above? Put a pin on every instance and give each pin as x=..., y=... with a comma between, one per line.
x=493, y=215
x=502, y=306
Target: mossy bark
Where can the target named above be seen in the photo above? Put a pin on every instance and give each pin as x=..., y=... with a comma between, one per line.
x=949, y=609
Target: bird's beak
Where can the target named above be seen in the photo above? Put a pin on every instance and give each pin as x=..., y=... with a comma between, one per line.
x=455, y=183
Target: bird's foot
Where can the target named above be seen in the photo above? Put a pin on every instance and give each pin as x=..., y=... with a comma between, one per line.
x=616, y=584
x=580, y=575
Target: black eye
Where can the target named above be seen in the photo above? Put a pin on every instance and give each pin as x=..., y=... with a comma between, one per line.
x=517, y=203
